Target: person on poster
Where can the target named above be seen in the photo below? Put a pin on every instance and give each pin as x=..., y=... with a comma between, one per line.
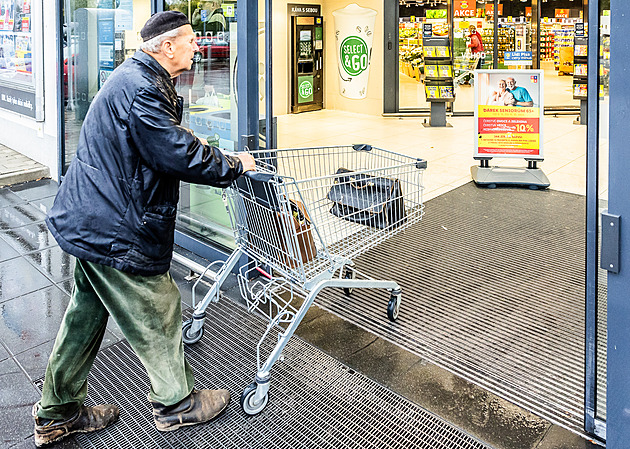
x=520, y=94
x=475, y=44
x=502, y=96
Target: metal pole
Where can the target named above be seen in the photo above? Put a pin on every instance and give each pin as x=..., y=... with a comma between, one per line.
x=247, y=76
x=61, y=142
x=269, y=134
x=495, y=44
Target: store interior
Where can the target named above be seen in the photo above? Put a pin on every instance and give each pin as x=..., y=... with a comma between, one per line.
x=516, y=25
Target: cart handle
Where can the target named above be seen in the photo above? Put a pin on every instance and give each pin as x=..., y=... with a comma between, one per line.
x=259, y=176
x=362, y=147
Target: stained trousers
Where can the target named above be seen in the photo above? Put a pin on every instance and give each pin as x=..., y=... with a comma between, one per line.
x=147, y=309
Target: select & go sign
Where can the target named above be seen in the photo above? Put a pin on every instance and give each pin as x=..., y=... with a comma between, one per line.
x=354, y=55
x=305, y=89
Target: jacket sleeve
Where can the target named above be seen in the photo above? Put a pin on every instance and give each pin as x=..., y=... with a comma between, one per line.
x=169, y=148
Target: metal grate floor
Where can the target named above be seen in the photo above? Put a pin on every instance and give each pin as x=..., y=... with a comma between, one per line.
x=493, y=291
x=315, y=402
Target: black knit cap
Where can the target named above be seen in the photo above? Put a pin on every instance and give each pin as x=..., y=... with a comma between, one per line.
x=162, y=22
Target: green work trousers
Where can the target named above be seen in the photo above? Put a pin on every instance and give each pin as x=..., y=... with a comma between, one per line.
x=147, y=310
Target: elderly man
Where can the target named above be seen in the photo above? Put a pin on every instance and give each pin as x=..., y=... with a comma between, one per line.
x=115, y=212
x=520, y=95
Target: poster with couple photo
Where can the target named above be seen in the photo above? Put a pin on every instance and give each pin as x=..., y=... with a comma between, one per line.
x=508, y=113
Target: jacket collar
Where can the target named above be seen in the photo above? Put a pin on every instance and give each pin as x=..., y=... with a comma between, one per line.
x=151, y=62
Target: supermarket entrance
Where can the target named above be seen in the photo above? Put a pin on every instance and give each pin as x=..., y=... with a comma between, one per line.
x=543, y=30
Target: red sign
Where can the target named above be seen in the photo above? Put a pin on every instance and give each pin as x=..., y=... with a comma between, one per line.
x=465, y=8
x=528, y=11
x=490, y=9
x=562, y=13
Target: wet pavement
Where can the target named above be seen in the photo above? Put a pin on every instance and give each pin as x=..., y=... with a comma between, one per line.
x=35, y=282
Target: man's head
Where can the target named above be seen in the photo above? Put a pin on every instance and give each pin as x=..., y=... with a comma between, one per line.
x=169, y=38
x=511, y=83
x=472, y=29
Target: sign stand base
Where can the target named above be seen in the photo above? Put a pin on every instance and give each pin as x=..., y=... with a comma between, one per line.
x=581, y=120
x=491, y=177
x=438, y=115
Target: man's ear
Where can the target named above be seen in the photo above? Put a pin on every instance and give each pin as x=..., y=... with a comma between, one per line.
x=167, y=48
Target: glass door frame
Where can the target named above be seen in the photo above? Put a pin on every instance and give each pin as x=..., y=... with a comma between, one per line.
x=592, y=424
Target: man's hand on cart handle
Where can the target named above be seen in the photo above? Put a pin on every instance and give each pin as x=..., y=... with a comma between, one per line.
x=247, y=160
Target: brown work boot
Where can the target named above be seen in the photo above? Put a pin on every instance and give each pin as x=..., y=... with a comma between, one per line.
x=87, y=419
x=198, y=407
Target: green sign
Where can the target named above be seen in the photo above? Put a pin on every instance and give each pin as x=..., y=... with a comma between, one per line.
x=354, y=55
x=305, y=89
x=436, y=14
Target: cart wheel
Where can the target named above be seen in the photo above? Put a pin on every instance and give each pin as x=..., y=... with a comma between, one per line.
x=247, y=400
x=393, y=306
x=348, y=274
x=188, y=337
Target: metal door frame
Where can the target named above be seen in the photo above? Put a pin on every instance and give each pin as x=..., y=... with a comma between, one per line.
x=618, y=363
x=592, y=425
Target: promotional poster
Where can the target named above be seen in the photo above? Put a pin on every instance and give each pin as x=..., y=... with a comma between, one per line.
x=508, y=113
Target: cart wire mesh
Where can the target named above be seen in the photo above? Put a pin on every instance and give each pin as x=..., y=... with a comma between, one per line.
x=316, y=209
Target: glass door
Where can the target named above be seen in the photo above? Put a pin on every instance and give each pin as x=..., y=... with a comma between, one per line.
x=557, y=40
x=208, y=90
x=411, y=17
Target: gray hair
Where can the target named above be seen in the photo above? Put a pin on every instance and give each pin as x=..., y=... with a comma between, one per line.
x=153, y=45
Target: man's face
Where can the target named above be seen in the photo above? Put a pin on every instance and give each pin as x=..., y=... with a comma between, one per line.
x=184, y=47
x=472, y=30
x=511, y=84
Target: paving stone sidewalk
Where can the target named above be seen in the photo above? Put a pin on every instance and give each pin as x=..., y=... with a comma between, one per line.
x=16, y=168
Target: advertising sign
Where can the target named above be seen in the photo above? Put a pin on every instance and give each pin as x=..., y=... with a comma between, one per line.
x=562, y=13
x=490, y=9
x=427, y=29
x=579, y=29
x=517, y=58
x=295, y=9
x=465, y=8
x=509, y=113
x=354, y=26
x=305, y=89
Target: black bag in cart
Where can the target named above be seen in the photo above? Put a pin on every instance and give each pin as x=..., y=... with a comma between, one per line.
x=369, y=200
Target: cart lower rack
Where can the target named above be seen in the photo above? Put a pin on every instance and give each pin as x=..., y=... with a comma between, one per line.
x=301, y=218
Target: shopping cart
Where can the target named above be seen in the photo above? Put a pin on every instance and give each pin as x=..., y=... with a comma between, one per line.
x=301, y=219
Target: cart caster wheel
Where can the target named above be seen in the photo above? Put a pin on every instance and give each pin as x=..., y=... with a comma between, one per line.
x=187, y=335
x=247, y=400
x=348, y=274
x=393, y=306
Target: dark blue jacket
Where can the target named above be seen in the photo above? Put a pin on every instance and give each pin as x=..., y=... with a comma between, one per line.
x=117, y=203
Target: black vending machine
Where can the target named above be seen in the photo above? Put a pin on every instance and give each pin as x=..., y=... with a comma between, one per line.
x=307, y=59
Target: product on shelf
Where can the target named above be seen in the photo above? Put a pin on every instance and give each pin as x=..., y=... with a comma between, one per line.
x=411, y=61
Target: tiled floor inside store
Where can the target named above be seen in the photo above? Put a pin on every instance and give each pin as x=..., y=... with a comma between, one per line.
x=448, y=150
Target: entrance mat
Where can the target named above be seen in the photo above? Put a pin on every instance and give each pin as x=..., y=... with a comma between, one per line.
x=314, y=401
x=493, y=291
